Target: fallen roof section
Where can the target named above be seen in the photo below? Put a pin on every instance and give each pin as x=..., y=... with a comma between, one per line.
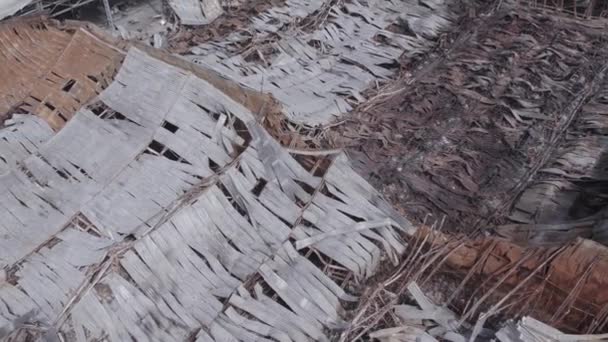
x=486, y=140
x=424, y=320
x=51, y=8
x=163, y=211
x=317, y=57
x=196, y=12
x=478, y=283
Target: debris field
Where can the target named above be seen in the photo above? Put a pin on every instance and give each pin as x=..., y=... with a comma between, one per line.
x=303, y=170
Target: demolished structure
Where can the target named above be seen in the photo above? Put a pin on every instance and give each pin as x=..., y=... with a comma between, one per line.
x=51, y=7
x=160, y=209
x=146, y=198
x=329, y=55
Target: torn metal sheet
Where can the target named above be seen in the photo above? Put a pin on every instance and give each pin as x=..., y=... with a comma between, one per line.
x=196, y=12
x=320, y=71
x=164, y=211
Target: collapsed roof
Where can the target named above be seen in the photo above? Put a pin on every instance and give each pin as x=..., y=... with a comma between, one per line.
x=143, y=200
x=50, y=7
x=317, y=57
x=189, y=12
x=159, y=209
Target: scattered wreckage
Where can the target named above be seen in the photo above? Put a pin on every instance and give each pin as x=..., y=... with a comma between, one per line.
x=189, y=12
x=158, y=208
x=206, y=197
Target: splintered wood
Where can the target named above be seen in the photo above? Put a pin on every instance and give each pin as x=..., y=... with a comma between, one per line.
x=163, y=211
x=51, y=72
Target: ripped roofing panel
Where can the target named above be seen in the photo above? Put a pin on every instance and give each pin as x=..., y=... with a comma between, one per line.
x=317, y=59
x=163, y=211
